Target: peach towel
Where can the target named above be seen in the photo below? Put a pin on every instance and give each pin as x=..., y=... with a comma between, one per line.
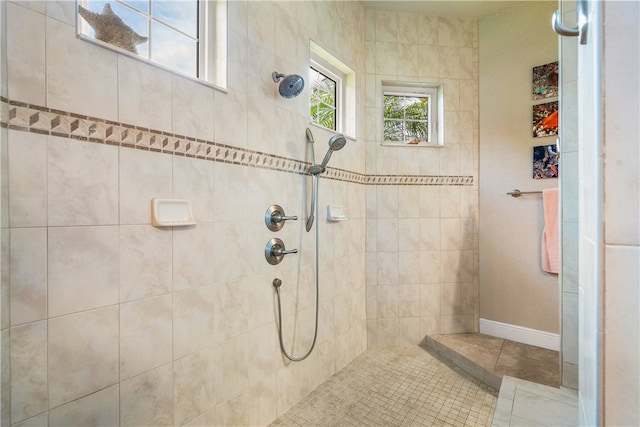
x=550, y=238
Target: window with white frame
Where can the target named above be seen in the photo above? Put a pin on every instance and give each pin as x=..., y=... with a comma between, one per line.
x=332, y=100
x=412, y=114
x=326, y=96
x=183, y=36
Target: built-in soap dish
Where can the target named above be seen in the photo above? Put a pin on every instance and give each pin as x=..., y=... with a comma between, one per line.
x=171, y=213
x=335, y=213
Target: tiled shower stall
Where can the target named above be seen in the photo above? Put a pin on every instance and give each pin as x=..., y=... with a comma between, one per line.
x=106, y=319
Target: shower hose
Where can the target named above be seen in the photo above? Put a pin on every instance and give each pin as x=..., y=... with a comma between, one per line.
x=277, y=283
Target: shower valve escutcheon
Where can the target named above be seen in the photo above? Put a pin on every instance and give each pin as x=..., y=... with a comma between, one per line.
x=275, y=251
x=274, y=218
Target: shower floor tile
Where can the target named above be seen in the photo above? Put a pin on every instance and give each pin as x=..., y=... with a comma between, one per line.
x=397, y=386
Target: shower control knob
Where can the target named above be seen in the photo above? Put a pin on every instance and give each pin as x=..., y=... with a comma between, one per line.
x=274, y=218
x=275, y=251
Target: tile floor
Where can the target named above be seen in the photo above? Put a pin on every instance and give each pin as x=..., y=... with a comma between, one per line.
x=398, y=386
x=526, y=404
x=495, y=357
x=408, y=386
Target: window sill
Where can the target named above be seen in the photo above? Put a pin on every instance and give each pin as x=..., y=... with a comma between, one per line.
x=406, y=144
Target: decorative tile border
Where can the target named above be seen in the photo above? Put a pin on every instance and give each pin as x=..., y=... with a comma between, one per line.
x=47, y=121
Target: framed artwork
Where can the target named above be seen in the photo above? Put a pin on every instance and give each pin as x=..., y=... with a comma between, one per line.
x=545, y=81
x=545, y=161
x=545, y=119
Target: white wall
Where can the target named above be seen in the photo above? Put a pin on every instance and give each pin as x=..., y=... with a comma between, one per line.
x=513, y=287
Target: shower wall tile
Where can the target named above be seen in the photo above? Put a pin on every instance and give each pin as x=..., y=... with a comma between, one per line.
x=140, y=86
x=147, y=399
x=37, y=421
x=78, y=256
x=28, y=179
x=409, y=331
x=193, y=108
x=261, y=26
x=233, y=412
x=28, y=275
x=100, y=408
x=81, y=77
x=26, y=54
x=145, y=335
x=386, y=26
x=145, y=262
x=262, y=395
x=194, y=391
x=82, y=357
x=61, y=10
x=409, y=300
x=409, y=267
x=28, y=370
x=193, y=320
x=192, y=249
x=157, y=326
x=428, y=63
x=152, y=174
x=82, y=183
x=264, y=363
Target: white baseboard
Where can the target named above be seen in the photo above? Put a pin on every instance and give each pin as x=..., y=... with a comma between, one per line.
x=520, y=334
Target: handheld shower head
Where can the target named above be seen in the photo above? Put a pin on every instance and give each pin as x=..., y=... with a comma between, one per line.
x=290, y=86
x=336, y=142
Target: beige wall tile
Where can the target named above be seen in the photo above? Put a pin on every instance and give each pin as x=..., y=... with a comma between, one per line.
x=192, y=105
x=194, y=179
x=145, y=261
x=82, y=355
x=28, y=370
x=141, y=86
x=82, y=183
x=100, y=409
x=193, y=320
x=234, y=412
x=385, y=25
x=147, y=399
x=193, y=386
x=145, y=335
x=143, y=176
x=81, y=77
x=28, y=275
x=27, y=179
x=26, y=54
x=263, y=401
x=83, y=268
x=231, y=376
x=192, y=249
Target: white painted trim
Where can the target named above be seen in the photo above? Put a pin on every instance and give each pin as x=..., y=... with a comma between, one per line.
x=520, y=334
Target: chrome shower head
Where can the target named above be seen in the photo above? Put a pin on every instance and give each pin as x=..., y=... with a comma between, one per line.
x=336, y=142
x=290, y=86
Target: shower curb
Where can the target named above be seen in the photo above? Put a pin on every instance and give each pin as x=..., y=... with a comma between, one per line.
x=447, y=355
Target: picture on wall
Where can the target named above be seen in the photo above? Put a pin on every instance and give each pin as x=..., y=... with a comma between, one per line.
x=545, y=161
x=545, y=119
x=545, y=81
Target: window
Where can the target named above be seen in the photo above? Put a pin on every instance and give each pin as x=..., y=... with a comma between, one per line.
x=332, y=102
x=182, y=36
x=325, y=97
x=411, y=115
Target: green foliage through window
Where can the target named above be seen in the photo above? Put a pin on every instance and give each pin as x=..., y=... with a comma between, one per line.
x=406, y=118
x=323, y=100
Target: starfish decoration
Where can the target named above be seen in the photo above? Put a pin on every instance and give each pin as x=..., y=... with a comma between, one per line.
x=110, y=28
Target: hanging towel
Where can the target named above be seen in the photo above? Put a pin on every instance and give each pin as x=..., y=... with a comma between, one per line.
x=550, y=238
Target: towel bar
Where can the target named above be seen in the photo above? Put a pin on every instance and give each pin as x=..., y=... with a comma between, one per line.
x=518, y=193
